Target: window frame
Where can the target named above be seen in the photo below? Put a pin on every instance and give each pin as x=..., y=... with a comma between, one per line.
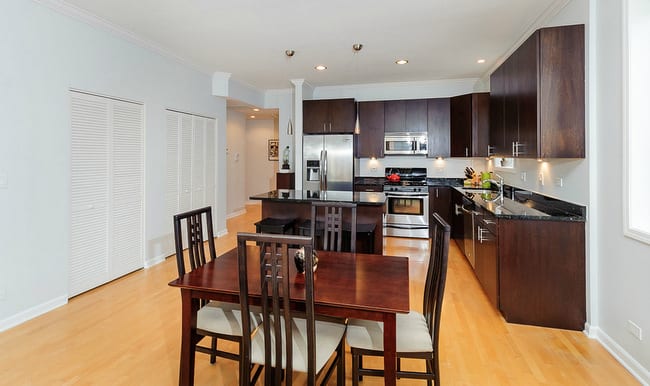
x=632, y=189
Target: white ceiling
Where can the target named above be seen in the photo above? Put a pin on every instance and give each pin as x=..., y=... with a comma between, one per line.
x=442, y=39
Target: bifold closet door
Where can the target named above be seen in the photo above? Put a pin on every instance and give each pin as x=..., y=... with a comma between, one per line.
x=107, y=190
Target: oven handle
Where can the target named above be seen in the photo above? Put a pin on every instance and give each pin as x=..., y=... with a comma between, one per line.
x=406, y=194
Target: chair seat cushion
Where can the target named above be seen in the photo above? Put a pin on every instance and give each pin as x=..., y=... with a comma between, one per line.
x=328, y=337
x=412, y=334
x=224, y=318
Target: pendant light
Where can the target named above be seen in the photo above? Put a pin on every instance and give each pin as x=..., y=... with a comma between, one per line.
x=356, y=48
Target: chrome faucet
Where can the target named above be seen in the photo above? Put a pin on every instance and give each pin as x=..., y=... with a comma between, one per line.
x=498, y=183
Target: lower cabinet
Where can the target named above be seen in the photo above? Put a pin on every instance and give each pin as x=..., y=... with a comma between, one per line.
x=440, y=202
x=486, y=258
x=542, y=273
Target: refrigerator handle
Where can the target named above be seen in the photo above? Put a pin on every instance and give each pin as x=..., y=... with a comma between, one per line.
x=322, y=171
x=324, y=175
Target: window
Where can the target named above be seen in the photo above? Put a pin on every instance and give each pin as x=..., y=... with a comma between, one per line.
x=636, y=43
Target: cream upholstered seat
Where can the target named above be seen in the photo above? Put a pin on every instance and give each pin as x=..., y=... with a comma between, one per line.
x=416, y=333
x=223, y=318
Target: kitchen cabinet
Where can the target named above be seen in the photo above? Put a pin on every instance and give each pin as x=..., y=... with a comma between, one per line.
x=440, y=202
x=405, y=116
x=438, y=127
x=370, y=140
x=542, y=272
x=329, y=116
x=470, y=120
x=457, y=219
x=285, y=180
x=538, y=108
x=486, y=265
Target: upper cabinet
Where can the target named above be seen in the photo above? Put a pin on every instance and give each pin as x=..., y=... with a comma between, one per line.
x=328, y=116
x=370, y=141
x=438, y=127
x=537, y=103
x=470, y=125
x=405, y=116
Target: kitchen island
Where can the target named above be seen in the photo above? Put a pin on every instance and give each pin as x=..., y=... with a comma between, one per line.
x=296, y=204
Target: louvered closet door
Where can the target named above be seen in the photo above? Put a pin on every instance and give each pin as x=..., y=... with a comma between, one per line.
x=210, y=165
x=127, y=188
x=88, y=264
x=198, y=162
x=107, y=186
x=172, y=178
x=185, y=191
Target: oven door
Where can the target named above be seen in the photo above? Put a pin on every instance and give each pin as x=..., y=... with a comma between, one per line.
x=407, y=214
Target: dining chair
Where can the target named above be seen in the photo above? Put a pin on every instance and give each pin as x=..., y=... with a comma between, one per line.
x=217, y=320
x=417, y=333
x=333, y=226
x=289, y=338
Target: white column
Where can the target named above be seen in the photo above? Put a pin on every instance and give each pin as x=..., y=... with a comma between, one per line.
x=297, y=129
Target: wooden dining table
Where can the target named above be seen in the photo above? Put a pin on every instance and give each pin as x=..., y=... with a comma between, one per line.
x=346, y=285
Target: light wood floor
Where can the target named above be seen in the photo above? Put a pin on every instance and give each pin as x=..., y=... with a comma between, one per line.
x=128, y=333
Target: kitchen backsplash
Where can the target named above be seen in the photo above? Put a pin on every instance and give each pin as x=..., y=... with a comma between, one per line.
x=444, y=168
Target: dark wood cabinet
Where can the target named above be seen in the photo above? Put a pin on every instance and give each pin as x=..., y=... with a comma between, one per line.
x=405, y=116
x=328, y=116
x=538, y=95
x=542, y=273
x=486, y=264
x=370, y=141
x=470, y=125
x=440, y=202
x=438, y=127
x=285, y=180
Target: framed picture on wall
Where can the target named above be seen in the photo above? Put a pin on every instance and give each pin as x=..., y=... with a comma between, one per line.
x=273, y=149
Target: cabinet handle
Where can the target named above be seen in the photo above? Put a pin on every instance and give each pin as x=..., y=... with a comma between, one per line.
x=490, y=151
x=457, y=210
x=488, y=221
x=330, y=127
x=436, y=193
x=324, y=127
x=466, y=152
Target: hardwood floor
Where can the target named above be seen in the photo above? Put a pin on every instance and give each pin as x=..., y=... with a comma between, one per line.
x=128, y=333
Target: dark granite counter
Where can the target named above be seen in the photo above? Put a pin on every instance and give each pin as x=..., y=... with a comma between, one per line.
x=307, y=196
x=522, y=204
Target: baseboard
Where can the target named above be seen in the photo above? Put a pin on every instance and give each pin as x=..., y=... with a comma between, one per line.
x=236, y=213
x=632, y=365
x=148, y=263
x=32, y=313
x=221, y=233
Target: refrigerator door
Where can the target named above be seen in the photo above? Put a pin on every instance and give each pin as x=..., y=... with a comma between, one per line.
x=312, y=153
x=337, y=169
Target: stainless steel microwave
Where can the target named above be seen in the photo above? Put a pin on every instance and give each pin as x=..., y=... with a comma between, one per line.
x=405, y=143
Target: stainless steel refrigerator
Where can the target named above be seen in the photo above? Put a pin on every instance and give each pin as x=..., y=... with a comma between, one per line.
x=327, y=162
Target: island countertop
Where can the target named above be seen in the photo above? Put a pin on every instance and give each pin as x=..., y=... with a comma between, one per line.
x=308, y=196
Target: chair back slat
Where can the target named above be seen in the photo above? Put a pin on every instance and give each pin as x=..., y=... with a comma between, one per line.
x=333, y=224
x=197, y=224
x=274, y=269
x=436, y=276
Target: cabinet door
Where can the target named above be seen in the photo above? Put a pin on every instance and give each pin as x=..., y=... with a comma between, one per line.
x=395, y=116
x=526, y=89
x=438, y=125
x=461, y=129
x=370, y=141
x=457, y=220
x=497, y=94
x=511, y=105
x=416, y=116
x=480, y=124
x=440, y=202
x=315, y=116
x=562, y=92
x=487, y=263
x=342, y=116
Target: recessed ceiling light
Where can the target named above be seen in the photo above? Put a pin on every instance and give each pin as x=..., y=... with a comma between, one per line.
x=252, y=117
x=401, y=61
x=256, y=109
x=320, y=67
x=480, y=61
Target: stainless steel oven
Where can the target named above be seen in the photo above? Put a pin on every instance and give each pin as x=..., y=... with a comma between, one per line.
x=407, y=204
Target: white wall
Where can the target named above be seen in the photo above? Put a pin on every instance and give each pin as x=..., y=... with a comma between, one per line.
x=622, y=265
x=260, y=172
x=236, y=154
x=45, y=53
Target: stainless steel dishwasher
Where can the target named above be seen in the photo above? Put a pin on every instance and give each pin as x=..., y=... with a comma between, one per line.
x=468, y=211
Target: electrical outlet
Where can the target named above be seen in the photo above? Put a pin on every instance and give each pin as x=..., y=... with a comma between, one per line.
x=635, y=330
x=523, y=176
x=540, y=178
x=559, y=182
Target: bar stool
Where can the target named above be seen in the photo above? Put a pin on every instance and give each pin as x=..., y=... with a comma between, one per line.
x=281, y=226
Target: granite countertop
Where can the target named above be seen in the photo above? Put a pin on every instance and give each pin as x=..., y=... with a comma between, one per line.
x=522, y=204
x=283, y=195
